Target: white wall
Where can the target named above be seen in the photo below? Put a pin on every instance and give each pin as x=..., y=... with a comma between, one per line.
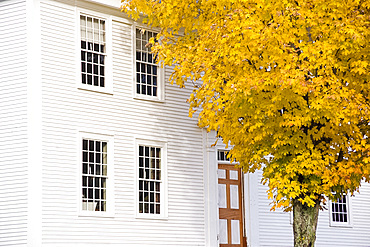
x=271, y=228
x=66, y=110
x=274, y=228
x=13, y=123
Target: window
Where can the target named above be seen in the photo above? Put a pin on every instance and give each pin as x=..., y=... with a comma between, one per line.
x=150, y=180
x=94, y=175
x=339, y=212
x=93, y=51
x=151, y=160
x=147, y=71
x=222, y=155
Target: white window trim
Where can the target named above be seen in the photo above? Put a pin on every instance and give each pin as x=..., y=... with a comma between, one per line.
x=348, y=224
x=108, y=88
x=164, y=187
x=109, y=138
x=161, y=71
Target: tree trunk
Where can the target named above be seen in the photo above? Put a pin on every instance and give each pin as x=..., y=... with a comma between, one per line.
x=305, y=223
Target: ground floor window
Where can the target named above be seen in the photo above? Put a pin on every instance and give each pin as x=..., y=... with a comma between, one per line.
x=151, y=160
x=150, y=179
x=94, y=174
x=340, y=211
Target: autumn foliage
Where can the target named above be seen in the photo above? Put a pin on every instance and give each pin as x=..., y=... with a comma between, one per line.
x=285, y=83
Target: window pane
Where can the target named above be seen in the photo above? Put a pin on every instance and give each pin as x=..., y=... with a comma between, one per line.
x=83, y=79
x=154, y=91
x=89, y=79
x=83, y=20
x=89, y=68
x=102, y=82
x=96, y=80
x=84, y=156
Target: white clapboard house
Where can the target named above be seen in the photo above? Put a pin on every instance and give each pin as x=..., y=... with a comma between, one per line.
x=97, y=149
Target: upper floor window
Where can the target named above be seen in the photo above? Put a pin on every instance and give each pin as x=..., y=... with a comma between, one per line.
x=93, y=51
x=340, y=212
x=147, y=71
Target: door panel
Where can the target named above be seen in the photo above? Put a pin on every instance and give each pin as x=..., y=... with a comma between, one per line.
x=230, y=206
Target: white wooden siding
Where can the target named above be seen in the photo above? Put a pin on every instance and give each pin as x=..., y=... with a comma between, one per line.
x=13, y=124
x=275, y=228
x=66, y=110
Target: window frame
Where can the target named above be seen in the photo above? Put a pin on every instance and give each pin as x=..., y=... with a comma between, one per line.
x=110, y=207
x=108, y=73
x=349, y=222
x=160, y=70
x=226, y=160
x=163, y=189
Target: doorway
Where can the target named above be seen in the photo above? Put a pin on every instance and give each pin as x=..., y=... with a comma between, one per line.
x=230, y=204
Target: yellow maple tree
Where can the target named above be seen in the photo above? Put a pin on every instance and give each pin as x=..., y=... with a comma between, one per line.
x=285, y=82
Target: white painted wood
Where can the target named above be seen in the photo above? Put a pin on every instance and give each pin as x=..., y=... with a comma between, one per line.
x=210, y=183
x=234, y=196
x=34, y=112
x=13, y=124
x=235, y=232
x=223, y=231
x=222, y=196
x=221, y=173
x=234, y=174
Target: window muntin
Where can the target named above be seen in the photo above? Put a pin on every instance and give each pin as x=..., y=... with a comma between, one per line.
x=146, y=67
x=150, y=180
x=93, y=50
x=94, y=175
x=339, y=210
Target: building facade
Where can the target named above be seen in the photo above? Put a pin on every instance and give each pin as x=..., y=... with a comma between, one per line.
x=97, y=147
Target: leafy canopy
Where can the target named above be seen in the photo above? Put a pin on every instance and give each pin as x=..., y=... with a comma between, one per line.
x=285, y=82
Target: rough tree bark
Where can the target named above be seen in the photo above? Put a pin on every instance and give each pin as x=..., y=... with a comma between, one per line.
x=305, y=223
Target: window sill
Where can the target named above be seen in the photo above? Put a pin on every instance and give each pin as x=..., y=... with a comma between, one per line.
x=96, y=214
x=151, y=217
x=148, y=98
x=339, y=225
x=95, y=89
